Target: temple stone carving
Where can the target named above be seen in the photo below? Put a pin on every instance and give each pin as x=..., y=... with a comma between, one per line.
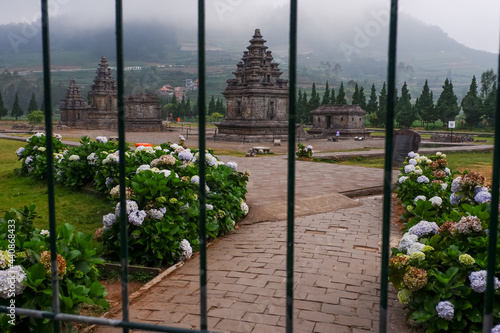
x=256, y=99
x=349, y=120
x=142, y=112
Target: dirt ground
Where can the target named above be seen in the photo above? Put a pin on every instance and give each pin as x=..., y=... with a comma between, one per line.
x=191, y=136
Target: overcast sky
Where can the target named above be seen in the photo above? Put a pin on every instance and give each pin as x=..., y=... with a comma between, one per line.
x=473, y=23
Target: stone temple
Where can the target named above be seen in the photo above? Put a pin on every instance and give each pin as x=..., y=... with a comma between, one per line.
x=256, y=99
x=142, y=112
x=349, y=120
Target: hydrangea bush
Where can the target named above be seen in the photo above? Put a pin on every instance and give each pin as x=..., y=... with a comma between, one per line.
x=303, y=151
x=162, y=191
x=439, y=266
x=30, y=265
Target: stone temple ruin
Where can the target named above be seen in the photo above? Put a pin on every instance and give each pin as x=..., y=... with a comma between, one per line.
x=257, y=98
x=142, y=112
x=349, y=120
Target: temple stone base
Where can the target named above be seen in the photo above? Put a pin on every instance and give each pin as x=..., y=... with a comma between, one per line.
x=252, y=131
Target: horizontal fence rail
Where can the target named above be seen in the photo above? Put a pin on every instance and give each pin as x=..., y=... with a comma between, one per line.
x=125, y=323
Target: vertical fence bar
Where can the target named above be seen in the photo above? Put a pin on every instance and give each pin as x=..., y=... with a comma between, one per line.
x=292, y=73
x=201, y=133
x=489, y=295
x=389, y=128
x=121, y=148
x=50, y=160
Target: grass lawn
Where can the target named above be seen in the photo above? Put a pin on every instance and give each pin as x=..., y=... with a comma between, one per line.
x=84, y=211
x=481, y=162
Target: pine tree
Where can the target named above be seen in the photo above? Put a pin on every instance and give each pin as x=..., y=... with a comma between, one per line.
x=314, y=102
x=326, y=95
x=211, y=106
x=447, y=106
x=405, y=112
x=355, y=95
x=219, y=107
x=372, y=105
x=489, y=104
x=341, y=95
x=362, y=98
x=487, y=80
x=32, y=106
x=304, y=109
x=3, y=109
x=382, y=106
x=425, y=105
x=16, y=109
x=472, y=105
x=42, y=107
x=332, y=97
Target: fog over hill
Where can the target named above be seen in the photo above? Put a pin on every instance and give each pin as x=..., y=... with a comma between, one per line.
x=332, y=46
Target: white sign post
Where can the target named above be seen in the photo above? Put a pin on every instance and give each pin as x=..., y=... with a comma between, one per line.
x=451, y=124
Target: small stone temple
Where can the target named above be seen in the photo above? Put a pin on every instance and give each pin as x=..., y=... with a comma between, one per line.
x=349, y=120
x=256, y=99
x=142, y=112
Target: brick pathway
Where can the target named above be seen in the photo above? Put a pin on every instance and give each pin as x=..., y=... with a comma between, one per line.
x=337, y=257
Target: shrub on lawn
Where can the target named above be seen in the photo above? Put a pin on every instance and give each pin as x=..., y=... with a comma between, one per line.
x=439, y=266
x=26, y=257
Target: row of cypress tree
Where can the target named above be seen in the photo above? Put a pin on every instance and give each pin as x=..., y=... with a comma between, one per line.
x=478, y=106
x=16, y=110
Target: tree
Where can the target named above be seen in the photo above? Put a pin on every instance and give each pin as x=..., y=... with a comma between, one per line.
x=16, y=109
x=219, y=107
x=36, y=117
x=341, y=95
x=32, y=106
x=382, y=106
x=3, y=109
x=355, y=95
x=490, y=103
x=362, y=98
x=472, y=105
x=314, y=102
x=326, y=95
x=425, y=105
x=405, y=112
x=211, y=106
x=332, y=97
x=372, y=105
x=447, y=106
x=302, y=108
x=487, y=80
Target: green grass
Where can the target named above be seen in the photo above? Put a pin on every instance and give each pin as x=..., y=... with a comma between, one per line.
x=84, y=211
x=481, y=162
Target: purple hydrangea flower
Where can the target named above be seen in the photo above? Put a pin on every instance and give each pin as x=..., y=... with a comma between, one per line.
x=482, y=197
x=445, y=310
x=478, y=281
x=423, y=179
x=424, y=228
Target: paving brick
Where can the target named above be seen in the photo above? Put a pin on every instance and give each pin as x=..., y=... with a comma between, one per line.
x=330, y=328
x=230, y=325
x=267, y=319
x=316, y=316
x=353, y=321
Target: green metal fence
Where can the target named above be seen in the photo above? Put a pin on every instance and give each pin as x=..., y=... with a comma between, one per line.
x=57, y=316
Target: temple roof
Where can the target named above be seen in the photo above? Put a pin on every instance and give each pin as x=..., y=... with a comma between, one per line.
x=103, y=79
x=339, y=109
x=256, y=68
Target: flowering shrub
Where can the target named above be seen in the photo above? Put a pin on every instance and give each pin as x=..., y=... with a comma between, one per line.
x=163, y=207
x=33, y=156
x=303, y=151
x=439, y=266
x=162, y=191
x=77, y=270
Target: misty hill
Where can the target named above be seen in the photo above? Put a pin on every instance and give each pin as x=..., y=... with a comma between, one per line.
x=353, y=50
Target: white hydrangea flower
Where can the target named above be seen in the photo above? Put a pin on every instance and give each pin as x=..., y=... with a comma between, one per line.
x=108, y=220
x=102, y=139
x=74, y=158
x=20, y=151
x=436, y=201
x=401, y=180
x=143, y=168
x=28, y=159
x=419, y=197
x=187, y=250
x=232, y=165
x=92, y=159
x=131, y=207
x=412, y=161
x=409, y=168
x=418, y=172
x=406, y=241
x=14, y=276
x=244, y=208
x=44, y=232
x=137, y=217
